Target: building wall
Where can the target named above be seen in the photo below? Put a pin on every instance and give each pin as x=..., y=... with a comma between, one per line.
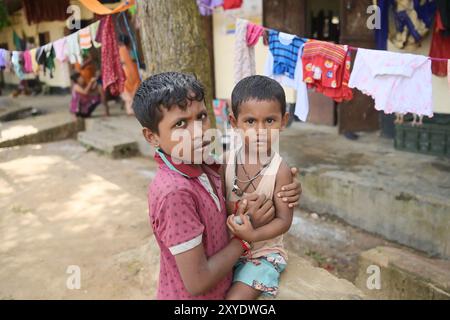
x=61, y=74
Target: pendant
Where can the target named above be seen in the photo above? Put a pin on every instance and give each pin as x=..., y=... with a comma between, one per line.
x=236, y=190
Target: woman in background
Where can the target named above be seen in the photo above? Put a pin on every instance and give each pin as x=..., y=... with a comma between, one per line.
x=130, y=68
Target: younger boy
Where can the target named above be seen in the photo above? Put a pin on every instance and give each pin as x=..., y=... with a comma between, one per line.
x=259, y=114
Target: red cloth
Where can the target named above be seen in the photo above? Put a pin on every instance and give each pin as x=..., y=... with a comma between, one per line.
x=326, y=68
x=253, y=33
x=27, y=64
x=440, y=48
x=232, y=4
x=113, y=76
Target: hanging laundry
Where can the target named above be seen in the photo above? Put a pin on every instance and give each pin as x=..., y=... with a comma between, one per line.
x=93, y=27
x=426, y=9
x=4, y=58
x=113, y=77
x=50, y=58
x=443, y=7
x=410, y=29
x=73, y=48
x=382, y=33
x=204, y=6
x=326, y=68
x=27, y=64
x=284, y=48
x=254, y=31
x=440, y=47
x=232, y=4
x=85, y=38
x=46, y=57
x=302, y=101
x=244, y=56
x=16, y=61
x=60, y=47
x=34, y=64
x=398, y=82
x=18, y=42
x=99, y=8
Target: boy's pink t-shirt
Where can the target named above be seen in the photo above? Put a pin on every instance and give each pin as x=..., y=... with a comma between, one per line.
x=184, y=214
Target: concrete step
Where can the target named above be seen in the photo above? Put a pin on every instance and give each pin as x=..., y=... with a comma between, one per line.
x=126, y=126
x=302, y=281
x=39, y=129
x=403, y=275
x=110, y=142
x=401, y=196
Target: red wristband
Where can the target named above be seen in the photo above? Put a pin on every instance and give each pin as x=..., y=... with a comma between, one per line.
x=245, y=245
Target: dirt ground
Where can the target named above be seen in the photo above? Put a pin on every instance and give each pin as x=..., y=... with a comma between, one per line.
x=60, y=206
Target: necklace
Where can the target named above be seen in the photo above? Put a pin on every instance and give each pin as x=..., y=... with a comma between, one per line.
x=238, y=191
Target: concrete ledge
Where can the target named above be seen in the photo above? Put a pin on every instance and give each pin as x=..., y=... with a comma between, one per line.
x=405, y=275
x=109, y=142
x=302, y=281
x=421, y=222
x=39, y=129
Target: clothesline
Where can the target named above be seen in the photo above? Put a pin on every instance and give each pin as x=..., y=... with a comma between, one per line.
x=269, y=29
x=51, y=42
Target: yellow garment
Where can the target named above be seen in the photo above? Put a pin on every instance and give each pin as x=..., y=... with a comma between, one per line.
x=98, y=8
x=34, y=63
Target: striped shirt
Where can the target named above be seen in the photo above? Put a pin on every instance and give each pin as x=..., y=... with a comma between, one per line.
x=285, y=49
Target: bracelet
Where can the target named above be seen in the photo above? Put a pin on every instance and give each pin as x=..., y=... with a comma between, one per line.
x=245, y=245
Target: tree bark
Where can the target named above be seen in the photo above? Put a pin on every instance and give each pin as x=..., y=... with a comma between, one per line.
x=173, y=39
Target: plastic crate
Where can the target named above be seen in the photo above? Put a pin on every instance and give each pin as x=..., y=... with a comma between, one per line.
x=433, y=139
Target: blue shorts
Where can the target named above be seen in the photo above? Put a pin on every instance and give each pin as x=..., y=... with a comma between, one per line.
x=261, y=273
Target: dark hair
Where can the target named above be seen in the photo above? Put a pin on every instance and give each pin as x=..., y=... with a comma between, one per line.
x=74, y=77
x=125, y=39
x=257, y=88
x=165, y=90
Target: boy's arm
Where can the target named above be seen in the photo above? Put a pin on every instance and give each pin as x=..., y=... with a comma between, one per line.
x=200, y=274
x=283, y=214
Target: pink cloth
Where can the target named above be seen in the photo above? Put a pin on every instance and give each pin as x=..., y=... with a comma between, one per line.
x=27, y=63
x=253, y=33
x=60, y=47
x=398, y=82
x=113, y=76
x=183, y=215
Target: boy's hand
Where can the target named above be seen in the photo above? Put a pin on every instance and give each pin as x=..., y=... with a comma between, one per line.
x=243, y=231
x=260, y=209
x=291, y=193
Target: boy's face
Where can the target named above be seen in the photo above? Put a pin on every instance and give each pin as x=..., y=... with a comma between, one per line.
x=260, y=122
x=181, y=132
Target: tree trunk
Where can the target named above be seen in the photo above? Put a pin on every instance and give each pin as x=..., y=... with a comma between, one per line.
x=173, y=39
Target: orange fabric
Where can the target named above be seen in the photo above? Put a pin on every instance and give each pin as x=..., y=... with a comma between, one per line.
x=98, y=8
x=130, y=68
x=87, y=73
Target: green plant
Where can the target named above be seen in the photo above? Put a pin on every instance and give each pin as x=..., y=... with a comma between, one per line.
x=4, y=18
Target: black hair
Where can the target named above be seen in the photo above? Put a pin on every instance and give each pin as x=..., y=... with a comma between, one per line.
x=125, y=39
x=257, y=88
x=74, y=77
x=165, y=90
